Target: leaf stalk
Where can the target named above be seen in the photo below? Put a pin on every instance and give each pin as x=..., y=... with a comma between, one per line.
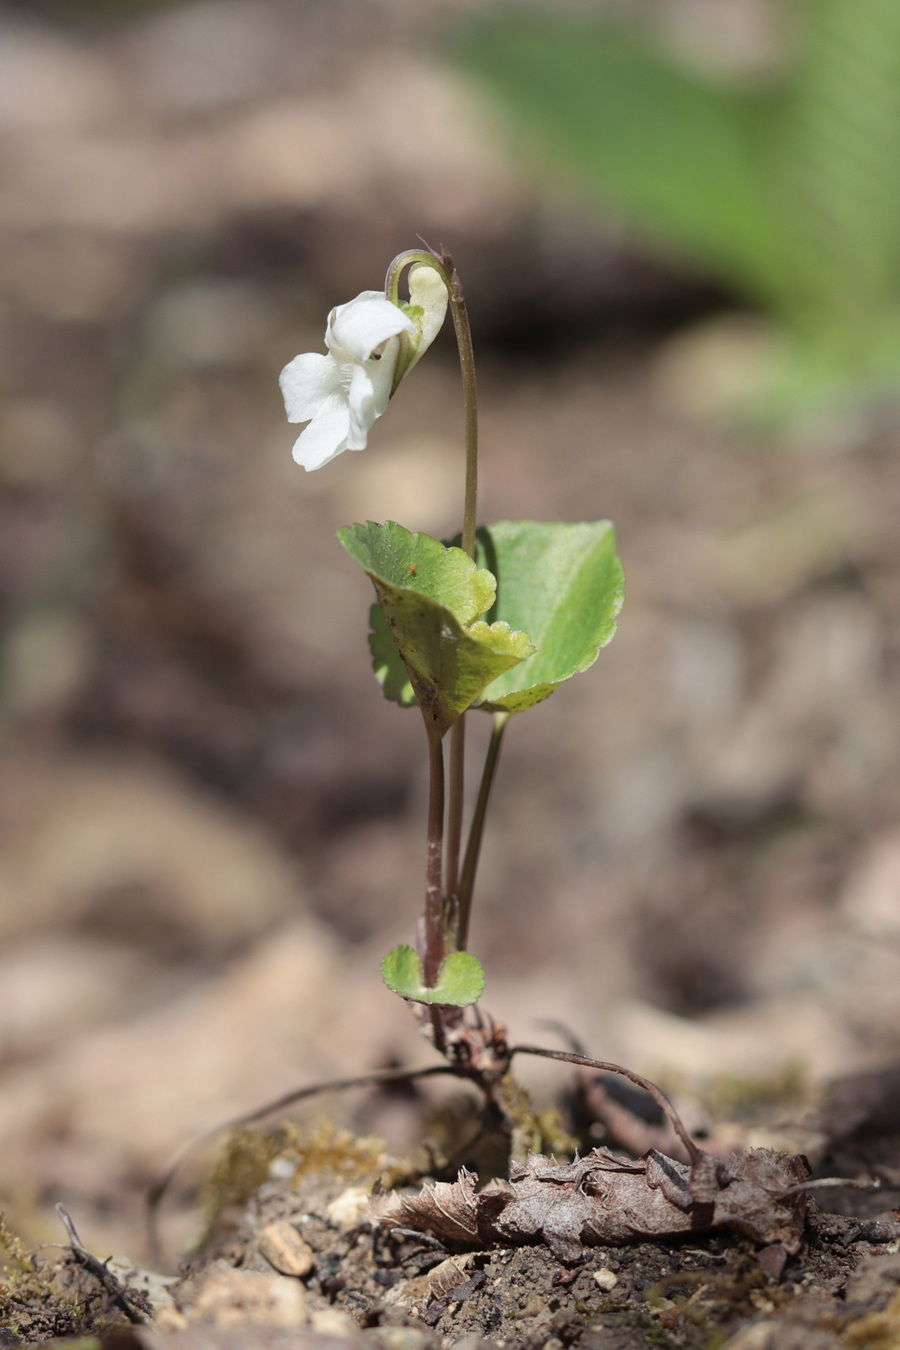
x=476, y=829
x=434, y=905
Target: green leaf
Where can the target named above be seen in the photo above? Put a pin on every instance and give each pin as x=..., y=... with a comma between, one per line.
x=460, y=979
x=678, y=154
x=421, y=564
x=432, y=596
x=387, y=663
x=564, y=583
x=786, y=187
x=840, y=149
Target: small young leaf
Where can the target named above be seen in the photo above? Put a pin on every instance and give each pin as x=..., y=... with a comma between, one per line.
x=564, y=584
x=460, y=979
x=432, y=597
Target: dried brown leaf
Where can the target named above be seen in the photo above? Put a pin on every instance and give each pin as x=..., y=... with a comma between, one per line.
x=607, y=1199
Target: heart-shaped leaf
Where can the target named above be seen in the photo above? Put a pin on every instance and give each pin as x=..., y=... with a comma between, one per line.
x=565, y=584
x=460, y=979
x=431, y=597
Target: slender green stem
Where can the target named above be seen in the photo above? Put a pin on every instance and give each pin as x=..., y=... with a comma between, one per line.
x=476, y=830
x=443, y=264
x=434, y=904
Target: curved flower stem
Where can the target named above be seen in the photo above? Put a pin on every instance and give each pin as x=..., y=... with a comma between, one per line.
x=443, y=264
x=476, y=830
x=463, y=332
x=470, y=398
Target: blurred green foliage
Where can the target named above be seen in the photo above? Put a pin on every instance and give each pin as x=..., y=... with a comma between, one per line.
x=788, y=190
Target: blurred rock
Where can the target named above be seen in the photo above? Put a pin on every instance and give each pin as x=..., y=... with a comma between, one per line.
x=56, y=987
x=758, y=1041
x=717, y=367
x=284, y=1248
x=871, y=899
x=45, y=660
x=49, y=82
x=416, y=478
x=299, y=152
x=131, y=855
x=707, y=669
x=68, y=276
x=740, y=38
x=862, y=1103
x=203, y=57
x=209, y=323
x=37, y=439
x=772, y=557
x=120, y=1099
x=230, y=1298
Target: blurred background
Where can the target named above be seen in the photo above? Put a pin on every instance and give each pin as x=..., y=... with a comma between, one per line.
x=678, y=226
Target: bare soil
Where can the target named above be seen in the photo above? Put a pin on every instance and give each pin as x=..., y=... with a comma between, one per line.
x=300, y=1265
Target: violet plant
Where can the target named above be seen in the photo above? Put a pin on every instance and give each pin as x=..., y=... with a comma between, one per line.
x=494, y=621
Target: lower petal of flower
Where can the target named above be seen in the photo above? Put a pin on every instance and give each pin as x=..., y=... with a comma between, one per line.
x=324, y=439
x=361, y=406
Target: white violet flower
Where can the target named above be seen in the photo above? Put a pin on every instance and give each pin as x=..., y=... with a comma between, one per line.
x=372, y=344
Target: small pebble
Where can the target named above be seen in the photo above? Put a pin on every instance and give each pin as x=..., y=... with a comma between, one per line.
x=282, y=1169
x=448, y=1275
x=333, y=1322
x=606, y=1278
x=285, y=1249
x=400, y=1338
x=350, y=1208
x=534, y=1306
x=231, y=1298
x=166, y=1320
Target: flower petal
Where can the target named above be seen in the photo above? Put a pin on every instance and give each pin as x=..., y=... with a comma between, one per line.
x=307, y=383
x=369, y=392
x=361, y=325
x=361, y=408
x=427, y=290
x=323, y=439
